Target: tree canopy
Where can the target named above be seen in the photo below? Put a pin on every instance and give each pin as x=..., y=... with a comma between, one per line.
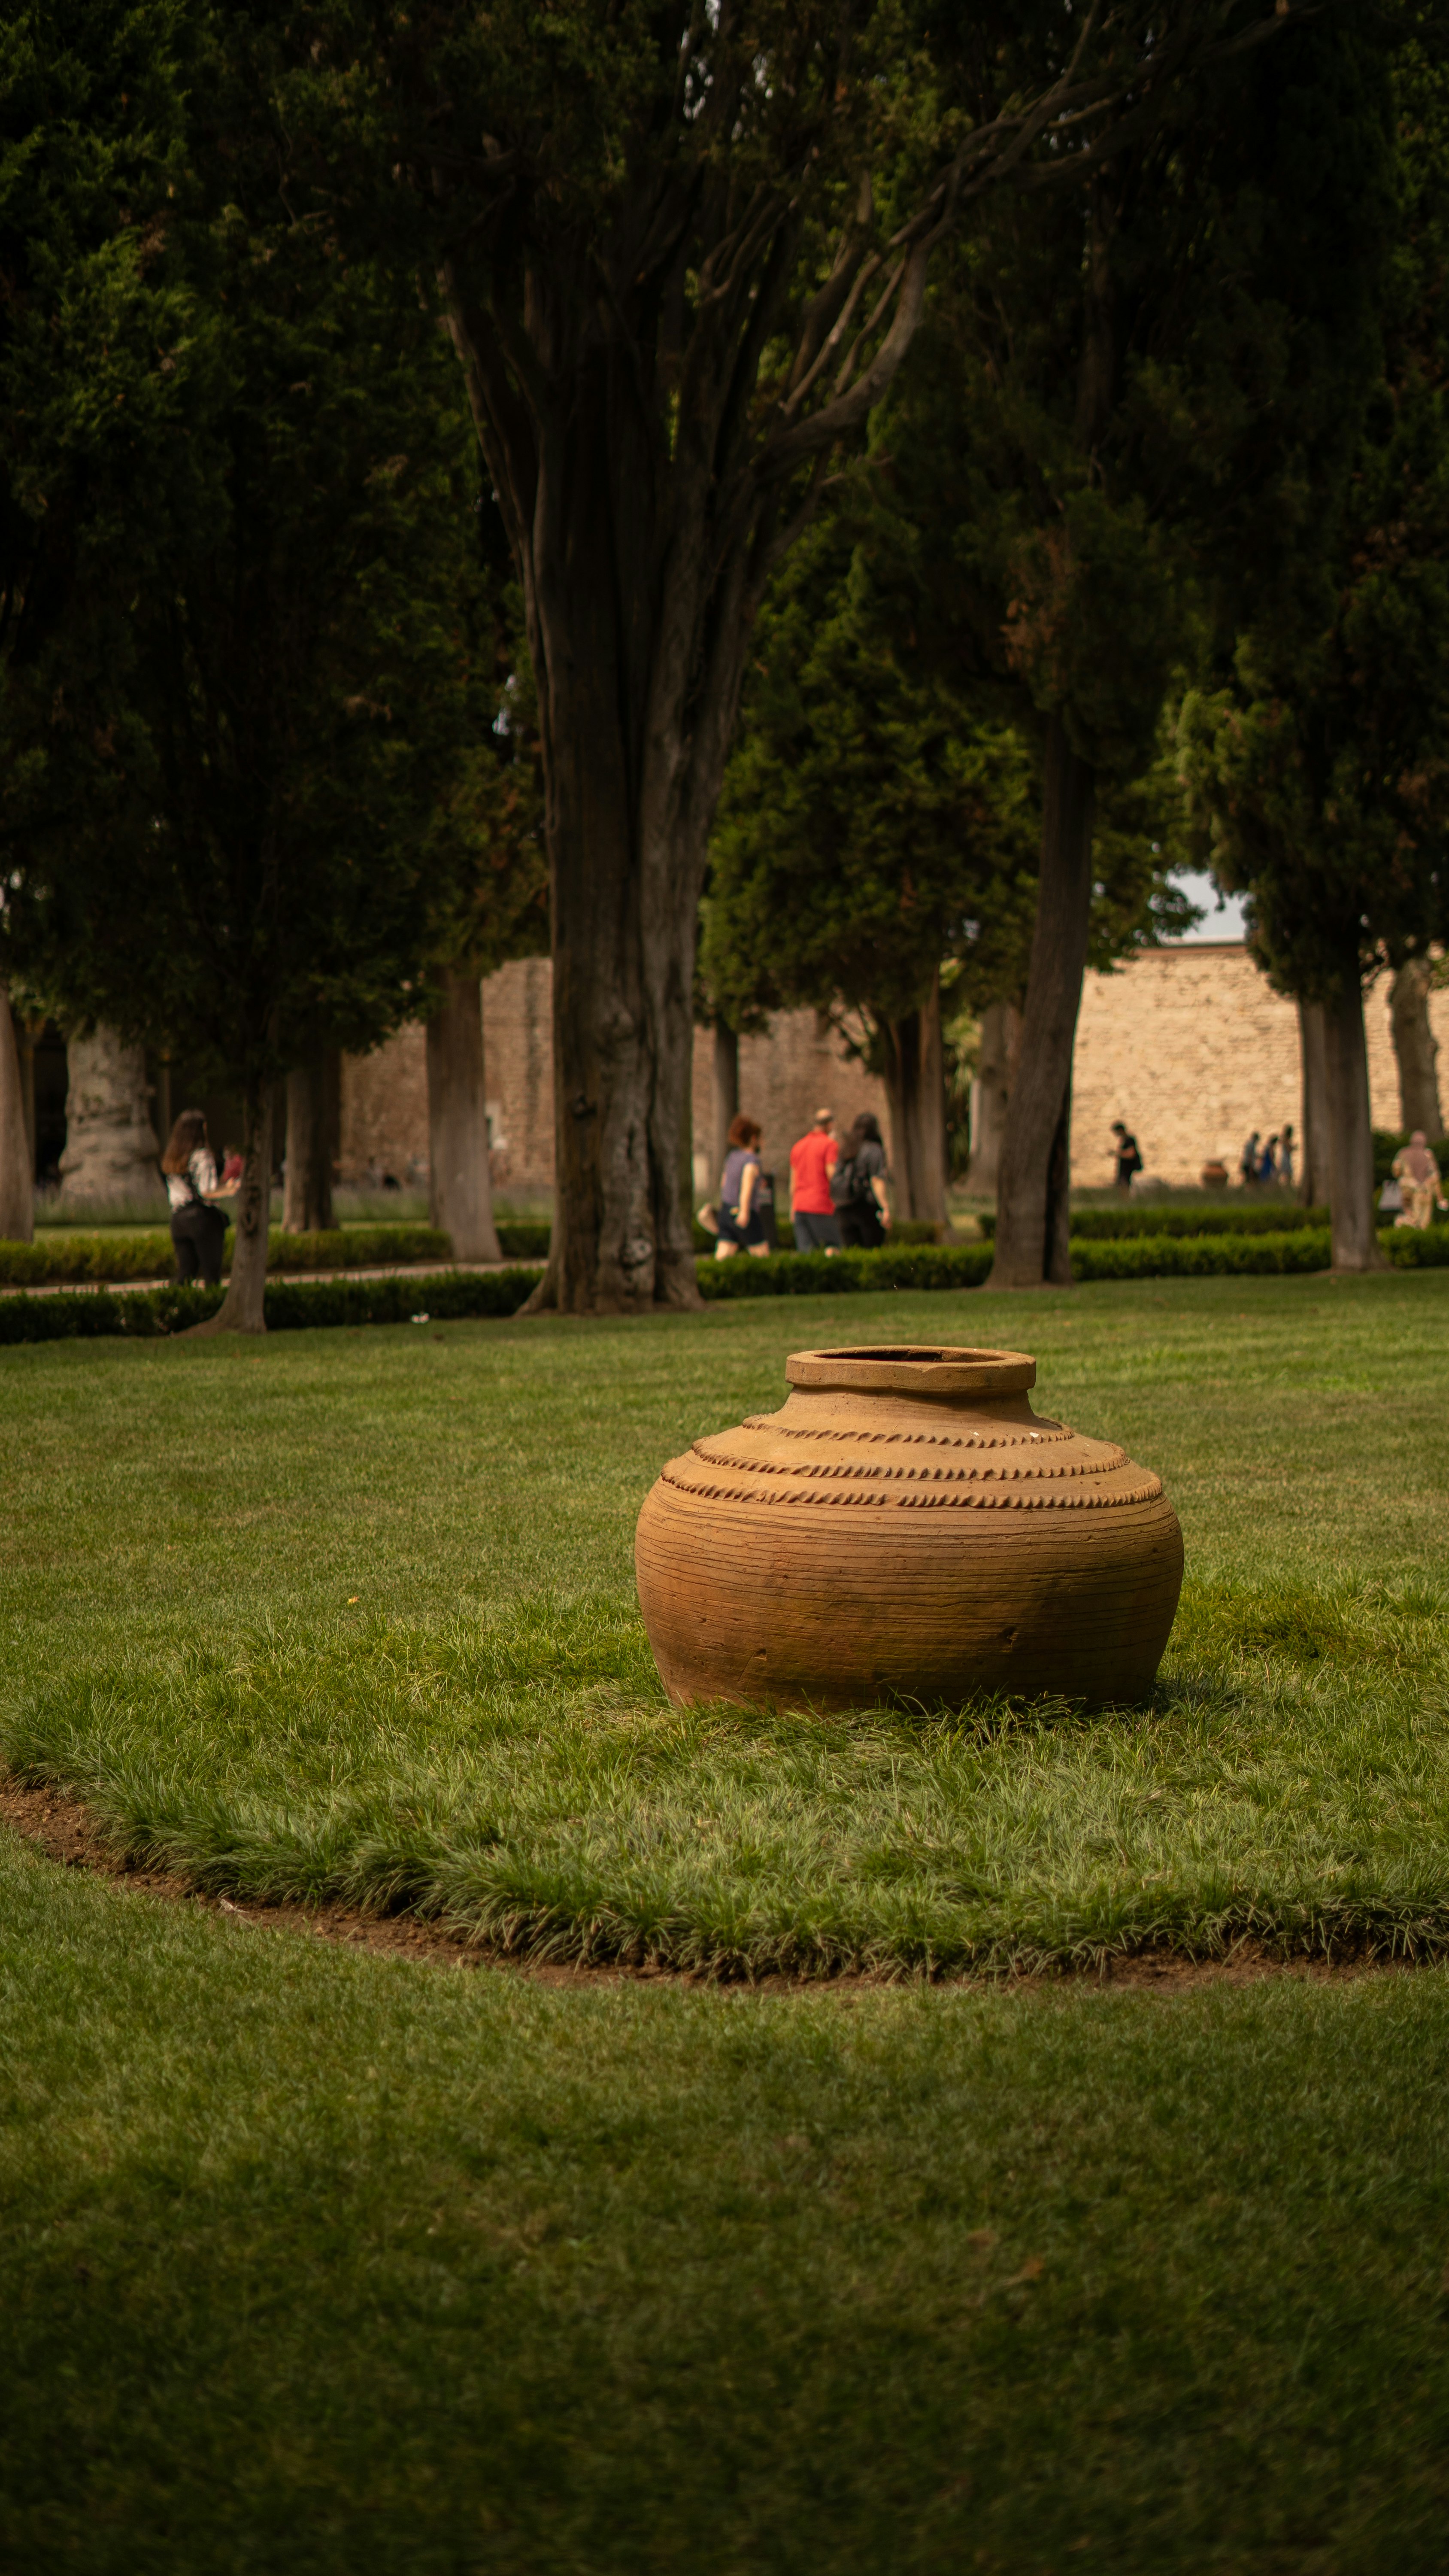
x=1317, y=752
x=258, y=784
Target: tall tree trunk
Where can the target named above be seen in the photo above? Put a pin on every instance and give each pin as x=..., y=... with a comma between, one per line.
x=314, y=1090
x=726, y=1092
x=990, y=1092
x=915, y=1080
x=460, y=1188
x=1313, y=1172
x=1416, y=1048
x=111, y=1153
x=639, y=610
x=1033, y=1200
x=1350, y=1129
x=26, y=1033
x=243, y=1308
x=17, y=1151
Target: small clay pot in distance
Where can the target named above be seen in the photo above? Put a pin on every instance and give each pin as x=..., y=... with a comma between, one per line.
x=906, y=1527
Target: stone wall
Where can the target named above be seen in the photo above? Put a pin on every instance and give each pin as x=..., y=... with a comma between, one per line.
x=518, y=1075
x=1193, y=1048
x=784, y=1078
x=1190, y=1045
x=384, y=1111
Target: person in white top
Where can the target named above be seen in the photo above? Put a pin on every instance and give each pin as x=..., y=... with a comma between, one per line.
x=198, y=1227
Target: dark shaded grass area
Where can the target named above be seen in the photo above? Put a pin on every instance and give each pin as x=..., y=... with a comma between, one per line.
x=331, y=2263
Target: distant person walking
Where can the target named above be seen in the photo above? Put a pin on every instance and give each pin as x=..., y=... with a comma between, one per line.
x=1285, y=1158
x=812, y=1209
x=198, y=1227
x=1268, y=1161
x=858, y=1185
x=1417, y=1174
x=1129, y=1161
x=1248, y=1161
x=743, y=1194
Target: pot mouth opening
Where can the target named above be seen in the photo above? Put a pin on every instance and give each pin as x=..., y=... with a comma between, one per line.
x=914, y=1368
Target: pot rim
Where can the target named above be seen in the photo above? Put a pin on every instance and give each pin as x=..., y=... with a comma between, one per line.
x=897, y=1368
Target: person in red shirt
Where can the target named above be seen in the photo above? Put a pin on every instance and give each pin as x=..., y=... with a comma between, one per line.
x=812, y=1160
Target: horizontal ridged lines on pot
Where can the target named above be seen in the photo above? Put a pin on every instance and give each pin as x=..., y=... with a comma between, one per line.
x=912, y=1439
x=1144, y=1488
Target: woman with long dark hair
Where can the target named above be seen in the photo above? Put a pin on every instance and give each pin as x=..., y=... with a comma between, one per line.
x=198, y=1227
x=858, y=1186
x=745, y=1204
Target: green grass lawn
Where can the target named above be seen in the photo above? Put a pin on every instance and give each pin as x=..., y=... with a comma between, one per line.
x=324, y=2261
x=353, y=1617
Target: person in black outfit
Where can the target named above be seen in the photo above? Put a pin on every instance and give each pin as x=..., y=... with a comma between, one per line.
x=198, y=1226
x=858, y=1186
x=1124, y=1146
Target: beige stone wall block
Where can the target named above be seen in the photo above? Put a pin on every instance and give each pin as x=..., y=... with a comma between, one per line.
x=1194, y=1049
x=384, y=1122
x=518, y=1075
x=1383, y=1063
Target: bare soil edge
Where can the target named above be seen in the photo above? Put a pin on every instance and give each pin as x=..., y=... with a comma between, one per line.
x=65, y=1830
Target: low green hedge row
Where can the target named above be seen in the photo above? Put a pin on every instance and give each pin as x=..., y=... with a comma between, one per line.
x=144, y=1255
x=292, y=1305
x=967, y=1265
x=446, y=1296
x=1111, y=1225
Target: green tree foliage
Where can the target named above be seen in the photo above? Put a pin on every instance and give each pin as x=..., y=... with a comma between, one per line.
x=685, y=250
x=881, y=822
x=1318, y=757
x=1125, y=403
x=260, y=787
x=872, y=824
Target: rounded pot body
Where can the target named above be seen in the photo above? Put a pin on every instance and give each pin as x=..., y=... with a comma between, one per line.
x=906, y=1527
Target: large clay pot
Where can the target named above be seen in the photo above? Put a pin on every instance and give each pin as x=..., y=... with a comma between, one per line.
x=906, y=1525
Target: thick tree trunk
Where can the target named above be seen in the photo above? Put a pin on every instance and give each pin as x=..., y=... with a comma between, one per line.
x=1033, y=1201
x=314, y=1090
x=460, y=1185
x=726, y=1092
x=243, y=1308
x=25, y=1037
x=915, y=1080
x=1313, y=1174
x=1416, y=1048
x=990, y=1092
x=111, y=1154
x=17, y=1151
x=1350, y=1130
x=639, y=610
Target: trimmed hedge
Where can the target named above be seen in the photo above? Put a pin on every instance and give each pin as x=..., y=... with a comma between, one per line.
x=291, y=1305
x=296, y=1305
x=148, y=1254
x=1111, y=1225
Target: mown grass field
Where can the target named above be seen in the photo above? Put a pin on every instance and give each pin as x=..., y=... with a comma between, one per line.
x=355, y=1619
x=324, y=2261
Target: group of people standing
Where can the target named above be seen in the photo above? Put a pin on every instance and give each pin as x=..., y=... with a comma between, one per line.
x=838, y=1193
x=1269, y=1160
